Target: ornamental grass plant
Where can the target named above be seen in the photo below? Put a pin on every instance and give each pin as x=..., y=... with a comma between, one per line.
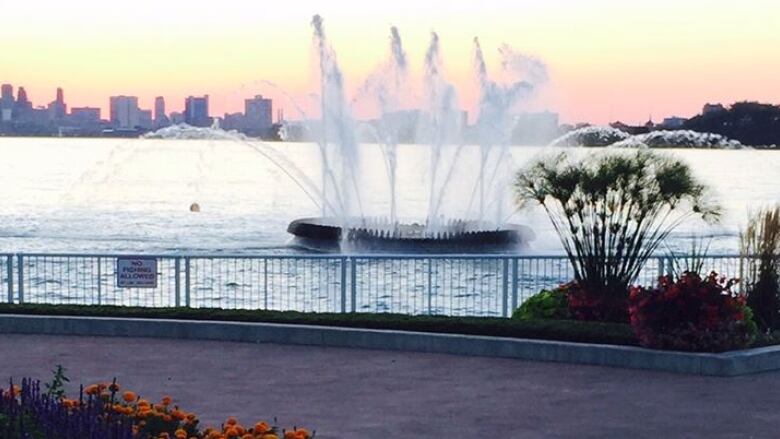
x=760, y=266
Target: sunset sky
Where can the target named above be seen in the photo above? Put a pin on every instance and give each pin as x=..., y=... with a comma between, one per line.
x=608, y=59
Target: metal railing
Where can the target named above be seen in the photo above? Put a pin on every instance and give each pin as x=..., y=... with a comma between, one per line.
x=458, y=285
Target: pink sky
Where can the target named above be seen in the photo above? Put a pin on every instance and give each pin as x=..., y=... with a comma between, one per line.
x=608, y=59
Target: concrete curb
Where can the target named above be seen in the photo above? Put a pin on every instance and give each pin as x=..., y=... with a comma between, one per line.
x=725, y=364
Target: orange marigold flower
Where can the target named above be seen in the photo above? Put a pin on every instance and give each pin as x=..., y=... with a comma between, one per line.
x=290, y=435
x=167, y=400
x=129, y=396
x=262, y=427
x=92, y=389
x=178, y=414
x=269, y=436
x=231, y=421
x=302, y=433
x=181, y=434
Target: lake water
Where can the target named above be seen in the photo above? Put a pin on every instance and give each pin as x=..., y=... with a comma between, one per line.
x=120, y=195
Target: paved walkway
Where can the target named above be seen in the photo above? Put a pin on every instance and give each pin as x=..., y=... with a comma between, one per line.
x=347, y=393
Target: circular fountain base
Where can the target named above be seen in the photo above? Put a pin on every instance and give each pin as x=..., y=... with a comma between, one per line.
x=461, y=236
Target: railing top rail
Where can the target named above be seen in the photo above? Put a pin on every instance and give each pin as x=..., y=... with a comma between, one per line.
x=373, y=256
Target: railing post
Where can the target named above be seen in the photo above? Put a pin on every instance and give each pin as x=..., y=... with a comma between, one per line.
x=9, y=266
x=669, y=266
x=515, y=284
x=505, y=289
x=265, y=283
x=430, y=286
x=187, y=282
x=177, y=280
x=343, y=285
x=20, y=272
x=661, y=270
x=99, y=282
x=353, y=283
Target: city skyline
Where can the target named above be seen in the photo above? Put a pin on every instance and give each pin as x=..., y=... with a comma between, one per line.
x=21, y=116
x=671, y=57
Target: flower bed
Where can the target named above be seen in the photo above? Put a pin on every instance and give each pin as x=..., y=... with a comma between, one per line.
x=102, y=411
x=692, y=314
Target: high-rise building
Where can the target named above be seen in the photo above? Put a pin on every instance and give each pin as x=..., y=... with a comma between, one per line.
x=58, y=109
x=196, y=111
x=6, y=102
x=159, y=109
x=7, y=93
x=22, y=107
x=145, y=121
x=124, y=112
x=177, y=118
x=258, y=113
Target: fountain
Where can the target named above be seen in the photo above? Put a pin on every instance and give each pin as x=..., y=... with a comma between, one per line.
x=440, y=125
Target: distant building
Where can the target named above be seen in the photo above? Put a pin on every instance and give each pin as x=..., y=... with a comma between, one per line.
x=712, y=108
x=57, y=108
x=82, y=116
x=673, y=123
x=6, y=102
x=258, y=115
x=233, y=121
x=83, y=121
x=196, y=111
x=22, y=110
x=177, y=118
x=145, y=121
x=124, y=112
x=160, y=118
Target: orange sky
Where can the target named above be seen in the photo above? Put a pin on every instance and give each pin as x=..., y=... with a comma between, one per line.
x=608, y=59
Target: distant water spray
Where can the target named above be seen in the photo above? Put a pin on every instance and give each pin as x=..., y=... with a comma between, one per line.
x=435, y=120
x=442, y=128
x=338, y=144
x=496, y=123
x=186, y=132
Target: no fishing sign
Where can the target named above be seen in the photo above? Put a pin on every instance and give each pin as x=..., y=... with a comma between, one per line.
x=136, y=272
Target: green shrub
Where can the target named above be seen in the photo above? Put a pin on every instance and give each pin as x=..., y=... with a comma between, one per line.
x=547, y=304
x=561, y=330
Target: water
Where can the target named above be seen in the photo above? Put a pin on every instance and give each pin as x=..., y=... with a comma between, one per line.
x=118, y=195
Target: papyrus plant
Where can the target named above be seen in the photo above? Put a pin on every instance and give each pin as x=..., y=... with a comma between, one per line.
x=613, y=209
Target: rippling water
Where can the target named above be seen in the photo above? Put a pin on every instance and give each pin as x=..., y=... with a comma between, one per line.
x=118, y=195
